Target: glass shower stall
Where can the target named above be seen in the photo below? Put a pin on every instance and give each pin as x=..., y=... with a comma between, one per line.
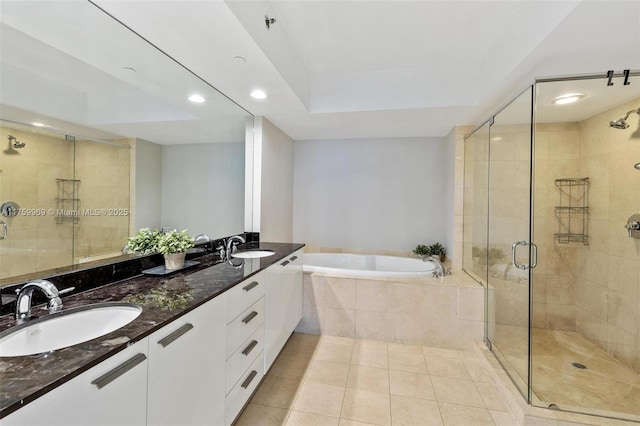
x=552, y=231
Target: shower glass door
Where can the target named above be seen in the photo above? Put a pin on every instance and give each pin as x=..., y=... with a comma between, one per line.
x=585, y=336
x=509, y=252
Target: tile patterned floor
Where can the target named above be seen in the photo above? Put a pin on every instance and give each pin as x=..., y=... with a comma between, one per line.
x=334, y=381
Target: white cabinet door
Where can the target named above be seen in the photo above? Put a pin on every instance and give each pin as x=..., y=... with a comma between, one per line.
x=283, y=304
x=294, y=311
x=113, y=393
x=187, y=368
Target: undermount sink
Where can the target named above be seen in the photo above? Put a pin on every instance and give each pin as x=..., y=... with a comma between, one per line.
x=253, y=254
x=66, y=328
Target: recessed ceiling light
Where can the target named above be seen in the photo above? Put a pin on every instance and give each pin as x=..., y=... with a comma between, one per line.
x=568, y=99
x=239, y=59
x=129, y=69
x=196, y=99
x=37, y=124
x=258, y=94
x=496, y=138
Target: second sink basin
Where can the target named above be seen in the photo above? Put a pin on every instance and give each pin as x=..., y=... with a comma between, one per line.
x=66, y=328
x=253, y=254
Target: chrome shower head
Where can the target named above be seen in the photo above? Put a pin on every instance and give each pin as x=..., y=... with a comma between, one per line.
x=621, y=123
x=16, y=143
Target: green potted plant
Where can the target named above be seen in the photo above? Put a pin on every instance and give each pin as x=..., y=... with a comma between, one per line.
x=438, y=250
x=435, y=249
x=174, y=245
x=145, y=241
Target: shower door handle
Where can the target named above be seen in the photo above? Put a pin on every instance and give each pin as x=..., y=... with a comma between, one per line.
x=4, y=230
x=534, y=255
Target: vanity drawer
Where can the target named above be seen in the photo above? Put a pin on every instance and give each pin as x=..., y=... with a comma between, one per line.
x=243, y=357
x=244, y=295
x=242, y=391
x=244, y=326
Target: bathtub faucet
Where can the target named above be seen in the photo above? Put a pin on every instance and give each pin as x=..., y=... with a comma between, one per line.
x=440, y=271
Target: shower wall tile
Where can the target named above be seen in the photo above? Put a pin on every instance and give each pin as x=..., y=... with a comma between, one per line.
x=624, y=276
x=564, y=145
x=608, y=311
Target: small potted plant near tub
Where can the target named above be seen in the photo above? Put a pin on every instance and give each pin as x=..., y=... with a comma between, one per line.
x=174, y=245
x=436, y=250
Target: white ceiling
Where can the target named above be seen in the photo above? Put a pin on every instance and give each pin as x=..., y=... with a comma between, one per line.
x=332, y=69
x=355, y=69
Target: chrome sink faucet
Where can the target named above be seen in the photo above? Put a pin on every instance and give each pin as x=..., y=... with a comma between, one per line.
x=231, y=247
x=23, y=303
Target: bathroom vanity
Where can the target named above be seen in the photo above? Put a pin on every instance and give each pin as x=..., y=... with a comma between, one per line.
x=196, y=363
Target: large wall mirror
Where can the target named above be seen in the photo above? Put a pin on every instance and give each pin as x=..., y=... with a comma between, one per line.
x=98, y=138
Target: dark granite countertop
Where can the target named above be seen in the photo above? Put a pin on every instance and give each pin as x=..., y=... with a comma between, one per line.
x=23, y=379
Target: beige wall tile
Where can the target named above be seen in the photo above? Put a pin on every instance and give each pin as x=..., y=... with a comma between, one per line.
x=371, y=325
x=339, y=292
x=372, y=295
x=337, y=322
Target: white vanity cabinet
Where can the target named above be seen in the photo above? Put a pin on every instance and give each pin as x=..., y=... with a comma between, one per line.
x=244, y=343
x=283, y=304
x=113, y=393
x=187, y=368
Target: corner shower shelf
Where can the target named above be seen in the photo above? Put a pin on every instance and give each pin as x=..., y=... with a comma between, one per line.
x=67, y=203
x=573, y=210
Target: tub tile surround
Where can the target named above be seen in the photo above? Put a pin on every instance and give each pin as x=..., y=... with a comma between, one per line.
x=446, y=312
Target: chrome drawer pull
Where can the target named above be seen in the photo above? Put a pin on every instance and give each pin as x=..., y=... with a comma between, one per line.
x=285, y=263
x=249, y=317
x=166, y=341
x=293, y=258
x=110, y=376
x=249, y=347
x=250, y=286
x=249, y=379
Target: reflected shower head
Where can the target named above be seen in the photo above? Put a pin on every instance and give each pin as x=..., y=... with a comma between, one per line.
x=16, y=143
x=621, y=123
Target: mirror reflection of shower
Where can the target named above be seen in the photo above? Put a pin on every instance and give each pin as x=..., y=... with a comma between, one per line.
x=14, y=144
x=621, y=123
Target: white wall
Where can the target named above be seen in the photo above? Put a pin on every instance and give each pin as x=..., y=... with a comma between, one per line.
x=148, y=183
x=370, y=194
x=276, y=186
x=203, y=188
